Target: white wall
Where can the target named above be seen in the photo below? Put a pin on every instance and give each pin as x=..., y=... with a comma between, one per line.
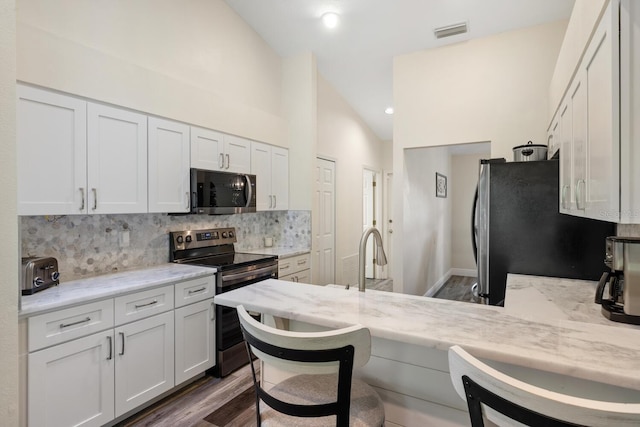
x=464, y=178
x=426, y=220
x=193, y=60
x=8, y=219
x=489, y=89
x=343, y=136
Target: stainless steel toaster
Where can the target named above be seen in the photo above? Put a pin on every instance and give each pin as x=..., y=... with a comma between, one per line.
x=38, y=273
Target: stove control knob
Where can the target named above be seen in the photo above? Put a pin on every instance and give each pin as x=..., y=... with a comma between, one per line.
x=231, y=234
x=188, y=239
x=55, y=276
x=179, y=239
x=224, y=234
x=37, y=282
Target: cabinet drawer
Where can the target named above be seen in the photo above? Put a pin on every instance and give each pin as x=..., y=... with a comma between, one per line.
x=71, y=323
x=294, y=264
x=194, y=290
x=303, y=276
x=143, y=304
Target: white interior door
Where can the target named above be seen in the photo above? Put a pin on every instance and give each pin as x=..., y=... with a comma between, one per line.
x=387, y=236
x=323, y=270
x=368, y=217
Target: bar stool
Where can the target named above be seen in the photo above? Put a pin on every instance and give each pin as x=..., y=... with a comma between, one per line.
x=323, y=393
x=500, y=398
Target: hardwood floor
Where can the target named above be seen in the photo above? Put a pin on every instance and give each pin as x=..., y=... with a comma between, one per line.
x=457, y=288
x=207, y=402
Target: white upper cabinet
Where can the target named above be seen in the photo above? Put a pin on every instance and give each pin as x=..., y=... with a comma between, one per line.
x=52, y=153
x=271, y=166
x=588, y=124
x=206, y=149
x=117, y=160
x=216, y=151
x=237, y=154
x=168, y=166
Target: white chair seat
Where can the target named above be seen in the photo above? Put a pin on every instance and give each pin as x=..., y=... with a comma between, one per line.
x=366, y=407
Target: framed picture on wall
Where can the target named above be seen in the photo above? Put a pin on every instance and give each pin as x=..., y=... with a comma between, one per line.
x=441, y=185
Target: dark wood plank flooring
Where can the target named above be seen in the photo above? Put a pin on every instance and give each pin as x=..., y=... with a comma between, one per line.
x=457, y=288
x=207, y=402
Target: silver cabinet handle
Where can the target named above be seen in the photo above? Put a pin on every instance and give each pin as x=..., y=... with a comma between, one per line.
x=195, y=291
x=137, y=306
x=580, y=194
x=122, y=335
x=66, y=325
x=213, y=311
x=221, y=161
x=564, y=196
x=275, y=201
x=95, y=198
x=110, y=348
x=228, y=161
x=82, y=202
x=302, y=261
x=187, y=198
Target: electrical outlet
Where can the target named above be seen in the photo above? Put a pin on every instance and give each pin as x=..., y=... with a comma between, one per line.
x=124, y=239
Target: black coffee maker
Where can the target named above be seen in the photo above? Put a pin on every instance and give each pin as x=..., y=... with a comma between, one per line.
x=623, y=259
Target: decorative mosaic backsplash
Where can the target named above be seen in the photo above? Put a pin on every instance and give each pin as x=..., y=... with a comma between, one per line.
x=89, y=245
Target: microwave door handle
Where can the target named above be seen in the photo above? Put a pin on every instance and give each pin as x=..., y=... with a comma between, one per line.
x=249, y=190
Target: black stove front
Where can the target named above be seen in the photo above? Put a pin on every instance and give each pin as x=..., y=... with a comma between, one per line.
x=214, y=248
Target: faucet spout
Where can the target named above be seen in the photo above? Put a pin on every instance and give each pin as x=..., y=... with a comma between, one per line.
x=381, y=258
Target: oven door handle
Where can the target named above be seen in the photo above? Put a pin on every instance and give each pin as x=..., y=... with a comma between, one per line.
x=252, y=273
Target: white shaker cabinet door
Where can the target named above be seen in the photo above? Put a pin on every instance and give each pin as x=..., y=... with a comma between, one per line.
x=117, y=160
x=207, y=149
x=144, y=361
x=195, y=339
x=72, y=384
x=237, y=154
x=280, y=178
x=261, y=168
x=51, y=153
x=168, y=166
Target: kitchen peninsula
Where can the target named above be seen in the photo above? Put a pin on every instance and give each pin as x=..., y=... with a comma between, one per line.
x=540, y=343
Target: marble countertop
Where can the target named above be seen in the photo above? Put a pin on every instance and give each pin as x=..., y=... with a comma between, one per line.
x=604, y=353
x=538, y=298
x=107, y=286
x=280, y=252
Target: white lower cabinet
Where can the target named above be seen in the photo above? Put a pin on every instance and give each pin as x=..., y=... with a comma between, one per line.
x=72, y=384
x=144, y=361
x=295, y=269
x=79, y=377
x=195, y=339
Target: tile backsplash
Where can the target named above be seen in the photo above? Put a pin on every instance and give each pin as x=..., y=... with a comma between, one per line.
x=89, y=245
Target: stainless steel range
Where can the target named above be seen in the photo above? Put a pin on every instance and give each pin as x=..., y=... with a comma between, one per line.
x=215, y=248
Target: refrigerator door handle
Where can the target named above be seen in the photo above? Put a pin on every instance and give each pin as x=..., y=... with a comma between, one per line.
x=474, y=230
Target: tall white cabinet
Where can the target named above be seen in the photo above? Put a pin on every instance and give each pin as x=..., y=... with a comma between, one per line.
x=169, y=160
x=51, y=152
x=116, y=160
x=270, y=164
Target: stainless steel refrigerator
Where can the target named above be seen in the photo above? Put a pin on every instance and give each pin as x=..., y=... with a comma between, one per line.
x=517, y=228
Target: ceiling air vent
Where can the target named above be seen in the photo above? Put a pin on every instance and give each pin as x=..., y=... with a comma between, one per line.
x=450, y=30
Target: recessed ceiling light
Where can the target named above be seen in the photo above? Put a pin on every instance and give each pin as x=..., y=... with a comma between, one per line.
x=388, y=110
x=330, y=19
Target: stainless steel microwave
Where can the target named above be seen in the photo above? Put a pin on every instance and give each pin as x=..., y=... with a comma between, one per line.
x=217, y=193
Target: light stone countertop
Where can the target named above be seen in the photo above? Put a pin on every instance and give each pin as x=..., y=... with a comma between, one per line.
x=107, y=286
x=280, y=252
x=604, y=353
x=538, y=298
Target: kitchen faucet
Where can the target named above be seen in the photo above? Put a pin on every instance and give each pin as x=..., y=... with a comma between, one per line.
x=381, y=258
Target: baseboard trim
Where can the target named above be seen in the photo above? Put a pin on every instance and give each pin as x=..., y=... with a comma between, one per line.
x=439, y=284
